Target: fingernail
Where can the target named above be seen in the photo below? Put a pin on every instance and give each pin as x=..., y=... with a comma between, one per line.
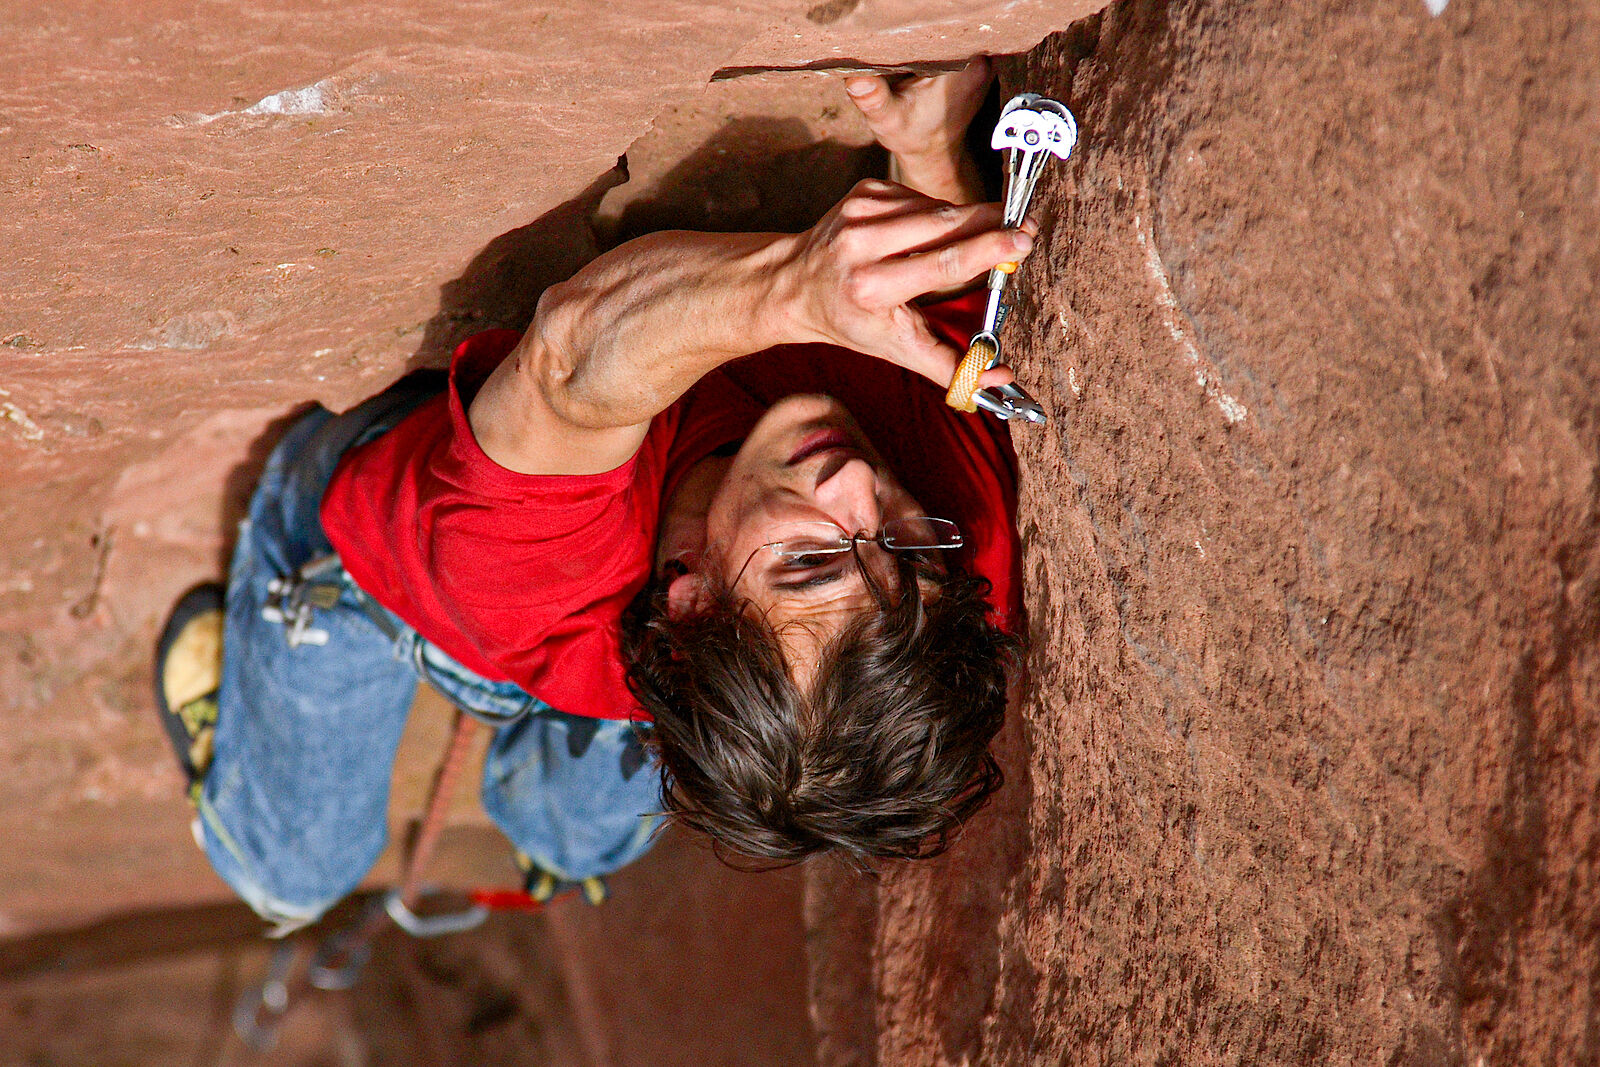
x=1021, y=241
x=1030, y=224
x=858, y=87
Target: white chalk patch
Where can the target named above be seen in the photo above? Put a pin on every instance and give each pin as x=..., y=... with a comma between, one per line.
x=1198, y=547
x=1069, y=319
x=1232, y=410
x=1205, y=375
x=314, y=99
x=307, y=101
x=1436, y=7
x=1072, y=380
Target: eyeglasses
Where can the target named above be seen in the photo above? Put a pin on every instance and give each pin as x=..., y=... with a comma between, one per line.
x=814, y=543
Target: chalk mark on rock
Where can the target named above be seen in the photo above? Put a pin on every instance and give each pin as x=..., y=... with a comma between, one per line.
x=318, y=98
x=1205, y=375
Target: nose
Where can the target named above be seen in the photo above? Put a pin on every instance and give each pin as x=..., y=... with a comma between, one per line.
x=850, y=496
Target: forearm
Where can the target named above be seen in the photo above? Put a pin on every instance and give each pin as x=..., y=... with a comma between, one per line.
x=631, y=332
x=616, y=344
x=636, y=328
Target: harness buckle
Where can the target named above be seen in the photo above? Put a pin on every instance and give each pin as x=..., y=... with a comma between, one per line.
x=292, y=601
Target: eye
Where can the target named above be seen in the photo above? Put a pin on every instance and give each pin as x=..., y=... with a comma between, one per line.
x=809, y=561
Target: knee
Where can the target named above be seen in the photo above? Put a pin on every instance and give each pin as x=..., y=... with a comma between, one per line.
x=283, y=891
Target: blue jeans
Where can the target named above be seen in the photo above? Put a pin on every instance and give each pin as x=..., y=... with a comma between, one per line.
x=294, y=806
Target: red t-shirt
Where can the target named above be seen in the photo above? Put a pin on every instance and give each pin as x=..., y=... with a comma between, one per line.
x=524, y=578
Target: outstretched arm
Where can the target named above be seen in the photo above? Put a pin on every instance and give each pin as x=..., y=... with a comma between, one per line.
x=619, y=342
x=632, y=331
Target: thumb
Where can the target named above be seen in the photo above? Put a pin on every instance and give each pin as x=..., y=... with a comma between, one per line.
x=870, y=92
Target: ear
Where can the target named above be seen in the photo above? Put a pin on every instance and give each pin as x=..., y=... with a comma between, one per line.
x=687, y=595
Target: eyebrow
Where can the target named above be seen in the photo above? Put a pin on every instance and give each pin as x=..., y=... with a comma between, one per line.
x=834, y=572
x=838, y=573
x=814, y=581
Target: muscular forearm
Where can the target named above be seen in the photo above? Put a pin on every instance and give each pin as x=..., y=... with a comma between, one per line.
x=635, y=329
x=620, y=341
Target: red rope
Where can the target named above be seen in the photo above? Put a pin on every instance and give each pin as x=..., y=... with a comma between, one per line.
x=444, y=785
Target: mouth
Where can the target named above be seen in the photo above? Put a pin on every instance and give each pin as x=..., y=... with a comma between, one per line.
x=821, y=441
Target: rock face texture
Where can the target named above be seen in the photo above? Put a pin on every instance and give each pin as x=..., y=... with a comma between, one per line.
x=1307, y=763
x=1309, y=768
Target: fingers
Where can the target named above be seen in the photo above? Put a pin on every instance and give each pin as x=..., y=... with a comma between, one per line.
x=995, y=376
x=870, y=92
x=921, y=228
x=896, y=281
x=874, y=198
x=915, y=348
x=888, y=220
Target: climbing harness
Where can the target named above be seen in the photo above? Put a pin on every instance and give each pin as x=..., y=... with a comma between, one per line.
x=320, y=584
x=1031, y=129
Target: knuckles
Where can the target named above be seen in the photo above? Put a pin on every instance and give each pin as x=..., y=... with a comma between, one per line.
x=871, y=187
x=856, y=207
x=952, y=264
x=857, y=289
x=850, y=242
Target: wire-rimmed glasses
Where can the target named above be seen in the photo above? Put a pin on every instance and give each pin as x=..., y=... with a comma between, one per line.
x=815, y=543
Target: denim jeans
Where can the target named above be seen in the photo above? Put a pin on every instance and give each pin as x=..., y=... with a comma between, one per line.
x=294, y=807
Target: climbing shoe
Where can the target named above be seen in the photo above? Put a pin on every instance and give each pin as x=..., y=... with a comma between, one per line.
x=188, y=675
x=542, y=887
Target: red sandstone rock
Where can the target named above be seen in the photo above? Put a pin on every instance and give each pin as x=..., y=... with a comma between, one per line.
x=217, y=213
x=1310, y=769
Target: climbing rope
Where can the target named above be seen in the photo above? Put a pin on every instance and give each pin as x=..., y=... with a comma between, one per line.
x=337, y=961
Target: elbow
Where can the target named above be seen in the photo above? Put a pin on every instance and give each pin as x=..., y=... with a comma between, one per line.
x=547, y=361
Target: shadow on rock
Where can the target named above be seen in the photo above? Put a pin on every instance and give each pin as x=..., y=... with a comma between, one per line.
x=752, y=175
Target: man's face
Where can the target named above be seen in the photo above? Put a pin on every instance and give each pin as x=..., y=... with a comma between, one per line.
x=806, y=461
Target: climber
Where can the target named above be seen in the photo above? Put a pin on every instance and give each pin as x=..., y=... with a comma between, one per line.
x=773, y=599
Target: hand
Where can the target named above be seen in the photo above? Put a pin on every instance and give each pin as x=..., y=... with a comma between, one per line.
x=850, y=279
x=922, y=122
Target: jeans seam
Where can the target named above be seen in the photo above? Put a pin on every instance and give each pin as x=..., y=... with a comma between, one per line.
x=255, y=893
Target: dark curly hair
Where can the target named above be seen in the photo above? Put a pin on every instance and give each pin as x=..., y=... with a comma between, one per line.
x=885, y=755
